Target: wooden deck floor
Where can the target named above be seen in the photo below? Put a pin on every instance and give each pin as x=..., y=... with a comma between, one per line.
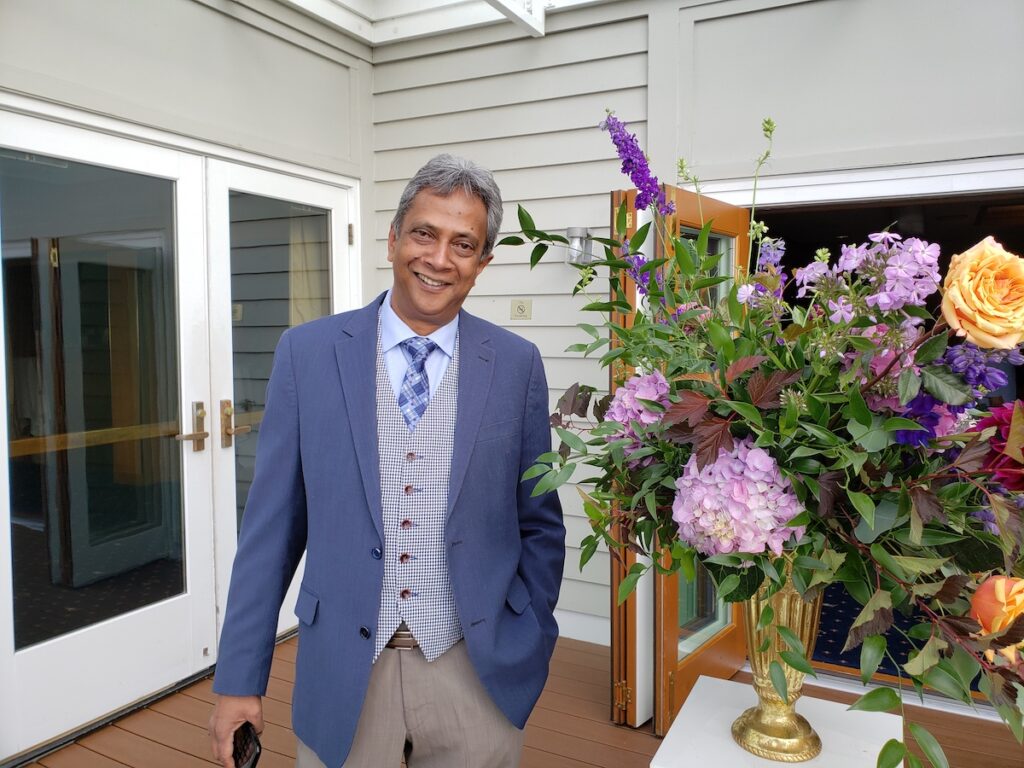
x=568, y=729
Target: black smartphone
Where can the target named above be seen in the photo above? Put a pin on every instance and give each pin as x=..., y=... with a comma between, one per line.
x=247, y=746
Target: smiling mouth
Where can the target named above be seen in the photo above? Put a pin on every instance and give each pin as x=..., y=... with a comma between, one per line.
x=429, y=281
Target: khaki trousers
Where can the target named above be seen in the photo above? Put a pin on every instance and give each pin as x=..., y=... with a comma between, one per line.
x=435, y=714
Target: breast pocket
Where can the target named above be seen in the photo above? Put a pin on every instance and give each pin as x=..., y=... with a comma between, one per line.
x=497, y=430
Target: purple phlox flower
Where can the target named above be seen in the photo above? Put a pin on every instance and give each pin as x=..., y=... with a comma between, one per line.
x=770, y=253
x=851, y=257
x=635, y=165
x=842, y=310
x=909, y=276
x=807, y=277
x=885, y=238
x=739, y=503
x=745, y=291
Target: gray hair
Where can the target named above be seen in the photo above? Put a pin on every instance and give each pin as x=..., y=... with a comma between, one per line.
x=443, y=175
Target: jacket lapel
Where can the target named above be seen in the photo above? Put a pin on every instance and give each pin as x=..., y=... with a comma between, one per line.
x=476, y=367
x=356, y=352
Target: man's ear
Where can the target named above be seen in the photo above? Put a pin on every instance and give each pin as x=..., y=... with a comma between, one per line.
x=483, y=263
x=392, y=238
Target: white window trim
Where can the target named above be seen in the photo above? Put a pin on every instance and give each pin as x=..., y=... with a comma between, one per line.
x=942, y=179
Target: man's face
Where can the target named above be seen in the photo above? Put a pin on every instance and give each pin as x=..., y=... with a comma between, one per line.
x=436, y=258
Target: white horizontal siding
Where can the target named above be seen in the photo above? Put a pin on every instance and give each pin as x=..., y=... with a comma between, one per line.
x=529, y=110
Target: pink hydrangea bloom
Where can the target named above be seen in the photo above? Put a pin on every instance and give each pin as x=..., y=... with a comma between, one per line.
x=740, y=503
x=626, y=408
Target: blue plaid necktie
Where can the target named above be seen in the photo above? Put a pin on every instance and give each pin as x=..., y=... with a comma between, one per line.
x=414, y=395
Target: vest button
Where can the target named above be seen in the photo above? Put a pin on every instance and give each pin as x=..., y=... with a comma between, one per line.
x=408, y=490
x=410, y=456
x=376, y=553
x=364, y=632
x=405, y=594
x=407, y=523
x=404, y=557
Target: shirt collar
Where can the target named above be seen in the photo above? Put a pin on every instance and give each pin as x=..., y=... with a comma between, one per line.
x=393, y=331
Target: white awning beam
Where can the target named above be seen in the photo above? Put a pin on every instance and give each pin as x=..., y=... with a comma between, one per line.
x=521, y=13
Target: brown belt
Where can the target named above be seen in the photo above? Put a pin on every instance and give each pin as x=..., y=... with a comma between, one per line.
x=403, y=639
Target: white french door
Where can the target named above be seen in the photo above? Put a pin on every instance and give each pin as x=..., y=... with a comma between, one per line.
x=142, y=292
x=106, y=546
x=279, y=256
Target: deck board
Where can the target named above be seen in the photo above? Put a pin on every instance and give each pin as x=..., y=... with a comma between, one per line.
x=568, y=729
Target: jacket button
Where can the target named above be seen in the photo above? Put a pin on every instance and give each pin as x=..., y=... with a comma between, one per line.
x=408, y=490
x=376, y=553
x=364, y=632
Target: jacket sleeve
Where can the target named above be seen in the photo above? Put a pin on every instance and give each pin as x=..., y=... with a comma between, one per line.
x=271, y=542
x=541, y=530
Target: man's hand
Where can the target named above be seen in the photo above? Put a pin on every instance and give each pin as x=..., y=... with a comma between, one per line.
x=229, y=713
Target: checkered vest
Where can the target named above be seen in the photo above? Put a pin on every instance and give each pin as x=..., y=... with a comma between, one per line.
x=414, y=471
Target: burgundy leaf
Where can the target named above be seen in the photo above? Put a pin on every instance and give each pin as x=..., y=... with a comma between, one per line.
x=951, y=588
x=741, y=366
x=691, y=408
x=555, y=419
x=927, y=504
x=877, y=625
x=713, y=436
x=828, y=489
x=764, y=390
x=1014, y=635
x=972, y=457
x=961, y=625
x=564, y=450
x=601, y=407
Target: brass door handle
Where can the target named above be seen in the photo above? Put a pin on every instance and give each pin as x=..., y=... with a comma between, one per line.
x=198, y=434
x=227, y=428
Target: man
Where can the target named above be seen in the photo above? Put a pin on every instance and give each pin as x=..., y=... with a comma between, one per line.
x=390, y=452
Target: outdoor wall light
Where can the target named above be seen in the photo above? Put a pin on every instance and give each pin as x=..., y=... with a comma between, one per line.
x=578, y=250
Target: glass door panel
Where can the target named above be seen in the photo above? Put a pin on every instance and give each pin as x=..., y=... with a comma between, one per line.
x=103, y=503
x=280, y=277
x=280, y=256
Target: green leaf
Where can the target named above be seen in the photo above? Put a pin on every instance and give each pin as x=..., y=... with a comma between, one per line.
x=909, y=385
x=899, y=424
x=944, y=681
x=798, y=662
x=871, y=653
x=918, y=566
x=858, y=408
x=791, y=640
x=927, y=657
x=929, y=746
x=538, y=253
x=872, y=439
x=638, y=237
x=803, y=561
x=931, y=349
x=511, y=240
x=892, y=754
x=878, y=700
x=525, y=219
x=628, y=583
x=827, y=437
x=778, y=677
x=728, y=585
x=746, y=410
x=571, y=439
x=945, y=385
x=864, y=505
x=720, y=338
x=536, y=469
x=886, y=515
x=766, y=618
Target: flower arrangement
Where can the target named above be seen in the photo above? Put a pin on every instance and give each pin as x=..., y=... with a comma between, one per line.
x=819, y=426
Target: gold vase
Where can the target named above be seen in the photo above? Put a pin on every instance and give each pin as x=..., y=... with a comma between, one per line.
x=773, y=729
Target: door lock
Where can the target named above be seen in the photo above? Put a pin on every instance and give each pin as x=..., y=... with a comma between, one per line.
x=198, y=434
x=227, y=428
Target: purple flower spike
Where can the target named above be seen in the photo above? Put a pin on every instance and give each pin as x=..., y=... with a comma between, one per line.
x=634, y=165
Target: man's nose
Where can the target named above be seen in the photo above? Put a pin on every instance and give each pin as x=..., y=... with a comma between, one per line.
x=439, y=254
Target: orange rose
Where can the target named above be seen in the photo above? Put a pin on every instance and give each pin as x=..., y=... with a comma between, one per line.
x=997, y=604
x=983, y=296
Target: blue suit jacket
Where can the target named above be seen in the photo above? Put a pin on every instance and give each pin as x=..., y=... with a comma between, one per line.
x=317, y=489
